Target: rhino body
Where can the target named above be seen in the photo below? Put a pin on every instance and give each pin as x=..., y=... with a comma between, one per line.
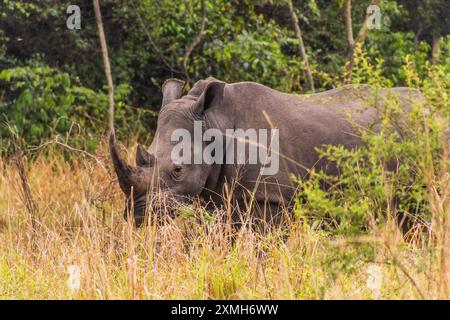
x=305, y=122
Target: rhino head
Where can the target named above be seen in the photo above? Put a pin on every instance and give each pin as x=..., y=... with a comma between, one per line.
x=156, y=180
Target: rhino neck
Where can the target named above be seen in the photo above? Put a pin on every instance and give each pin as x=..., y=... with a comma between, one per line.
x=222, y=118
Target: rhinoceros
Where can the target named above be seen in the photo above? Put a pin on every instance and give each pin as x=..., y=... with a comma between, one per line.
x=303, y=123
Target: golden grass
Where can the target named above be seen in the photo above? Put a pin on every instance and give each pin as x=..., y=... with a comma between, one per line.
x=78, y=222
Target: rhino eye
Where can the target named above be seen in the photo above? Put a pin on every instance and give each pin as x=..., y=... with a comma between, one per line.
x=177, y=171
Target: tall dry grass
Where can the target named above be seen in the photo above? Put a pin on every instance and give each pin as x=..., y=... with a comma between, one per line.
x=78, y=222
x=75, y=222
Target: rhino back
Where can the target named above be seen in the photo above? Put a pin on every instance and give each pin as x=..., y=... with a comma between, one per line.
x=305, y=122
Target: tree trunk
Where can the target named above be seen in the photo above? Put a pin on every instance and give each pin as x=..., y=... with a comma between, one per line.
x=301, y=46
x=348, y=22
x=360, y=39
x=106, y=64
x=435, y=48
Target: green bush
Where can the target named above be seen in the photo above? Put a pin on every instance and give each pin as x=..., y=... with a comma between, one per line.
x=39, y=103
x=366, y=192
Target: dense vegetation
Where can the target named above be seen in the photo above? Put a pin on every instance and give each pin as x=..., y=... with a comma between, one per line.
x=342, y=243
x=51, y=78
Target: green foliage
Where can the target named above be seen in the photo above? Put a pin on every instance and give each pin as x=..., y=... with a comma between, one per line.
x=239, y=44
x=391, y=173
x=147, y=39
x=39, y=103
x=256, y=57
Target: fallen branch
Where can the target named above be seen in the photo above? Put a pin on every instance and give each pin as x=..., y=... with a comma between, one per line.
x=70, y=148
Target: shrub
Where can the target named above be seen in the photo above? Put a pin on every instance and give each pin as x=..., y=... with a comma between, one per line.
x=366, y=192
x=39, y=103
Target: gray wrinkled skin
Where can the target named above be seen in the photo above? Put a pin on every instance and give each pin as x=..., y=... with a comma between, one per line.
x=305, y=122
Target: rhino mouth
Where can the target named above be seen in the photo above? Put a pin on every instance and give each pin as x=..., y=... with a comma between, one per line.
x=144, y=215
x=143, y=209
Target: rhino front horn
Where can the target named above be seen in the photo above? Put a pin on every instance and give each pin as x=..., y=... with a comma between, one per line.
x=125, y=173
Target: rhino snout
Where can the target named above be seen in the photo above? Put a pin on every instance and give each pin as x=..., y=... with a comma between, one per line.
x=160, y=206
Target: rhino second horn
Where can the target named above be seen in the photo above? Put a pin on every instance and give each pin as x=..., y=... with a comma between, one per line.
x=125, y=173
x=144, y=158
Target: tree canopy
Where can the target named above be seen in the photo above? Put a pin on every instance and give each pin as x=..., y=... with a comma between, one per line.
x=54, y=74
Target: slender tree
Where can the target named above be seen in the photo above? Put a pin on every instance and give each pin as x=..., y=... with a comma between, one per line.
x=360, y=38
x=106, y=64
x=429, y=20
x=435, y=47
x=348, y=22
x=301, y=46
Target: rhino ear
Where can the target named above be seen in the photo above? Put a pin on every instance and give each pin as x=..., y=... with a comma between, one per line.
x=212, y=96
x=144, y=158
x=172, y=89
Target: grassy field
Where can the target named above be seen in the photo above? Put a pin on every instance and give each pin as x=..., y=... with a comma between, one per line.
x=76, y=223
x=67, y=239
x=62, y=234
